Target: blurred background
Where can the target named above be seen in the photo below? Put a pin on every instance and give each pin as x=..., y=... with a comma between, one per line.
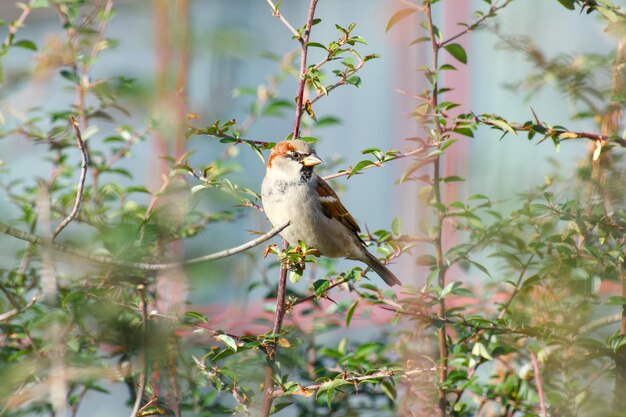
x=199, y=56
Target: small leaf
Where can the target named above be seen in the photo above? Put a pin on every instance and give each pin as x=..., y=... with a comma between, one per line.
x=295, y=276
x=504, y=126
x=616, y=300
x=597, y=151
x=350, y=312
x=359, y=166
x=228, y=341
x=568, y=4
x=398, y=16
x=25, y=44
x=457, y=51
x=480, y=350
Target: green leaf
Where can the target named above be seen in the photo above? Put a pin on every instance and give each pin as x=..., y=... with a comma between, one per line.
x=359, y=166
x=69, y=75
x=350, y=312
x=320, y=286
x=449, y=289
x=568, y=4
x=398, y=16
x=457, y=51
x=228, y=341
x=504, y=126
x=25, y=44
x=355, y=80
x=295, y=276
x=479, y=349
x=39, y=4
x=193, y=317
x=616, y=300
x=331, y=385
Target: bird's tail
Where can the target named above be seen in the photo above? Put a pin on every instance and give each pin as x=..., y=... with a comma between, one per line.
x=381, y=269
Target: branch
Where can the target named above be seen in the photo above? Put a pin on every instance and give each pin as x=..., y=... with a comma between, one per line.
x=144, y=345
x=14, y=312
x=491, y=12
x=81, y=180
x=14, y=26
x=122, y=151
x=342, y=81
x=375, y=164
x=557, y=133
x=353, y=379
x=442, y=267
x=542, y=399
x=304, y=41
x=270, y=351
x=107, y=260
x=279, y=15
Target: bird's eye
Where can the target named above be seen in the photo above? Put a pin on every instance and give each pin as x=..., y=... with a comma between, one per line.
x=294, y=154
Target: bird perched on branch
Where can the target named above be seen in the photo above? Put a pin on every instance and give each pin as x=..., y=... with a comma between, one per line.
x=292, y=191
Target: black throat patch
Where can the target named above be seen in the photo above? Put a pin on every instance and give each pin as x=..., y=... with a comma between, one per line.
x=306, y=173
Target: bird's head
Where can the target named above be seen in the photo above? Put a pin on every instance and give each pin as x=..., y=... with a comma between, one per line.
x=292, y=159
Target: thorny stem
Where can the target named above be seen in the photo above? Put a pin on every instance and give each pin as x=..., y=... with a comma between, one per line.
x=441, y=263
x=270, y=351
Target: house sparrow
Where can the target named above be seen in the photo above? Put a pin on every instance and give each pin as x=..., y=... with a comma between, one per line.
x=292, y=191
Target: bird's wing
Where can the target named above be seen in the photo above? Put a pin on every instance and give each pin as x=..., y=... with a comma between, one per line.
x=332, y=207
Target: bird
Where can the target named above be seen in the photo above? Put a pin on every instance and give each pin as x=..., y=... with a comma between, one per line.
x=292, y=191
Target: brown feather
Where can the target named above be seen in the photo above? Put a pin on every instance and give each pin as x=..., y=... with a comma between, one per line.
x=332, y=207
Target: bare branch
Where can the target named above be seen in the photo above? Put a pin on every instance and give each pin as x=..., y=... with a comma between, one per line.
x=542, y=399
x=81, y=180
x=107, y=260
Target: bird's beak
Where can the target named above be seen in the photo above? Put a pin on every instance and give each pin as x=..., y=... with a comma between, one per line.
x=311, y=161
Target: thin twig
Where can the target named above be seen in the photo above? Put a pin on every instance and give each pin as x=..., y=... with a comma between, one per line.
x=144, y=346
x=81, y=181
x=342, y=81
x=122, y=151
x=490, y=13
x=303, y=53
x=14, y=312
x=542, y=399
x=375, y=164
x=107, y=260
x=13, y=27
x=280, y=16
